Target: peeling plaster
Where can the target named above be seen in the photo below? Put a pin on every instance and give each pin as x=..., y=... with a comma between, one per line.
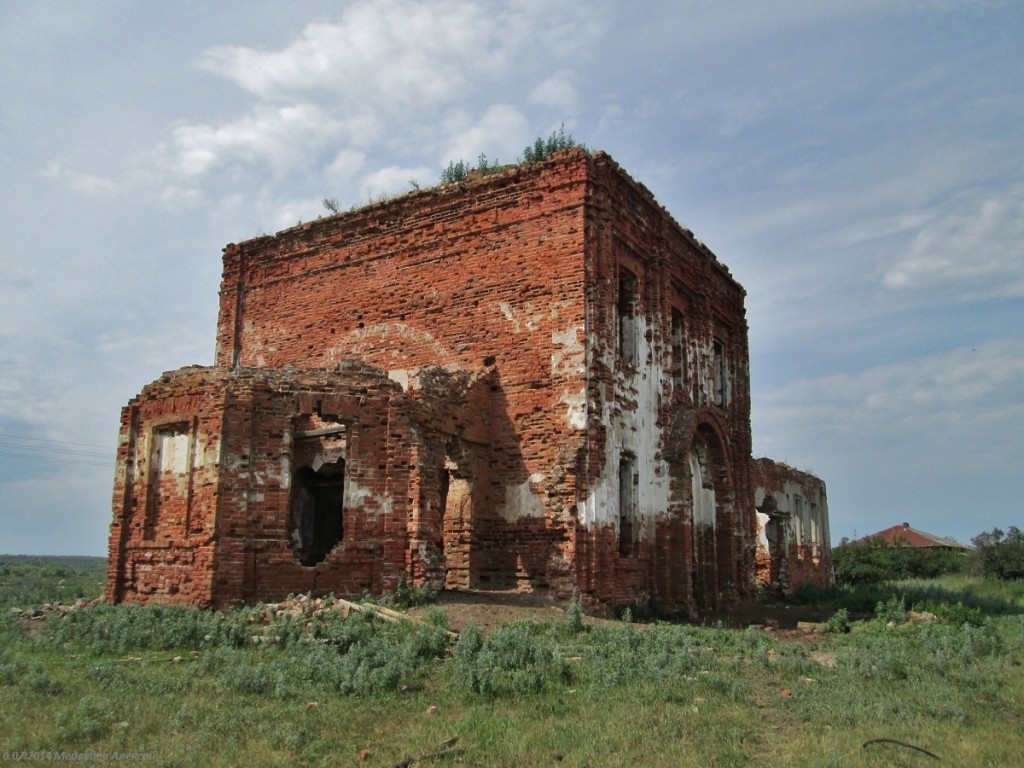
x=636, y=432
x=576, y=415
x=401, y=376
x=506, y=310
x=520, y=501
x=569, y=357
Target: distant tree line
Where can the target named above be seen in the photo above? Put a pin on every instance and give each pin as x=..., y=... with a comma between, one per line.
x=996, y=554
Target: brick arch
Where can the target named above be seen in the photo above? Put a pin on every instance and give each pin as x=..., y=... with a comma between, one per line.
x=690, y=575
x=713, y=529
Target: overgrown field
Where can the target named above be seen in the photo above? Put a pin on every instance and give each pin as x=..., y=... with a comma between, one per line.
x=181, y=686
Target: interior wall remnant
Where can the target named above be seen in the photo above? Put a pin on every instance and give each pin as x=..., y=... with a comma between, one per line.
x=678, y=350
x=796, y=532
x=457, y=510
x=721, y=380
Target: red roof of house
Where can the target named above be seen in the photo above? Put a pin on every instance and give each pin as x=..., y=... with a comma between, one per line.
x=911, y=537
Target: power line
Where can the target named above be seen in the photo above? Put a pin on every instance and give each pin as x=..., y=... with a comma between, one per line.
x=48, y=449
x=56, y=442
x=45, y=458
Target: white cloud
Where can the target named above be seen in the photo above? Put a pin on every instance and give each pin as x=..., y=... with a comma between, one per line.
x=345, y=165
x=281, y=137
x=86, y=183
x=557, y=92
x=963, y=397
x=975, y=247
x=500, y=132
x=394, y=179
x=390, y=51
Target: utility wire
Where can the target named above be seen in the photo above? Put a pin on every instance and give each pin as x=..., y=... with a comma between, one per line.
x=52, y=449
x=42, y=457
x=6, y=436
x=42, y=449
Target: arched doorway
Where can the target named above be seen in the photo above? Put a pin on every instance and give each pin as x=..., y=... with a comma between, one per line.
x=317, y=511
x=713, y=523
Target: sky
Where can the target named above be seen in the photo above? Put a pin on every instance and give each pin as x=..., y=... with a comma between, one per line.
x=858, y=165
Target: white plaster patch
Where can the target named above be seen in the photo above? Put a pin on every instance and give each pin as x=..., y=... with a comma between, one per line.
x=395, y=336
x=285, y=478
x=401, y=376
x=520, y=501
x=174, y=453
x=569, y=356
x=506, y=310
x=355, y=494
x=576, y=415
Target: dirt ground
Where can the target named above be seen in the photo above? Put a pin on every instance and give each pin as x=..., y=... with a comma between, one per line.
x=492, y=609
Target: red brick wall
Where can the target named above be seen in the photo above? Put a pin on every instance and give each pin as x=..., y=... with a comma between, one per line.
x=494, y=461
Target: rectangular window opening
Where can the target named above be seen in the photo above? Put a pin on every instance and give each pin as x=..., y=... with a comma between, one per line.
x=170, y=459
x=629, y=532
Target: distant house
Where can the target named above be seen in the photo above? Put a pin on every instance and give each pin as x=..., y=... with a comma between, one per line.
x=904, y=535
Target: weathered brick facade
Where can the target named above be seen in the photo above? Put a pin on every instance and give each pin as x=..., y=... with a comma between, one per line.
x=551, y=392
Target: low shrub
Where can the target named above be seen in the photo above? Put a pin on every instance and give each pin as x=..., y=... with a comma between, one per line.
x=518, y=658
x=660, y=653
x=574, y=615
x=406, y=596
x=89, y=719
x=838, y=624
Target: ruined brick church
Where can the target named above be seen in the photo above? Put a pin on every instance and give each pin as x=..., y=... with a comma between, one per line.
x=534, y=380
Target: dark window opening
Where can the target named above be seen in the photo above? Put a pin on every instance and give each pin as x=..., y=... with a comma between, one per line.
x=719, y=374
x=626, y=310
x=317, y=511
x=628, y=529
x=678, y=359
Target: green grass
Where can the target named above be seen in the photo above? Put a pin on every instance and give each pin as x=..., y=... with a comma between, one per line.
x=191, y=687
x=27, y=580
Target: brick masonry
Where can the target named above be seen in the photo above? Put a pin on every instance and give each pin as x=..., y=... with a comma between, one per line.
x=534, y=380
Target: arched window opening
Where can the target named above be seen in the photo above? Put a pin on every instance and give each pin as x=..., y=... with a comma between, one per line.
x=626, y=309
x=316, y=511
x=720, y=391
x=678, y=350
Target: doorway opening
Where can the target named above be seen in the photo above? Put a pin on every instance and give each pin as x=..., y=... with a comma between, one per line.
x=317, y=519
